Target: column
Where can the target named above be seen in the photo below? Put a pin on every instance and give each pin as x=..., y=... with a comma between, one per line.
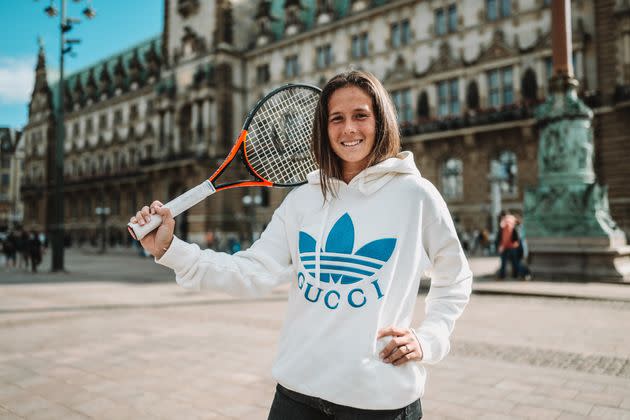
x=561, y=42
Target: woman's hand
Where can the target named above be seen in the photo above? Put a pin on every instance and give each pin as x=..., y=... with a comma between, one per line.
x=158, y=241
x=402, y=348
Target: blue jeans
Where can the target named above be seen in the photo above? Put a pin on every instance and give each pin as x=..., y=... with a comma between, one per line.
x=291, y=405
x=512, y=256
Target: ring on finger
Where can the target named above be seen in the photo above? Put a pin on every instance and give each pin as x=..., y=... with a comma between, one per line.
x=404, y=349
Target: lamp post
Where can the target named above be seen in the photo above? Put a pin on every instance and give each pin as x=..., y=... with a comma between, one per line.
x=57, y=226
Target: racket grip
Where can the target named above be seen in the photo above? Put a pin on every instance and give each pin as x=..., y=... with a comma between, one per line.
x=177, y=205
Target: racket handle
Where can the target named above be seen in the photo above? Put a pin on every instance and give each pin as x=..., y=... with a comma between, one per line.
x=177, y=205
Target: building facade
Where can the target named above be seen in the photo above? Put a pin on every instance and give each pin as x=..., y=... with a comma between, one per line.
x=155, y=119
x=11, y=161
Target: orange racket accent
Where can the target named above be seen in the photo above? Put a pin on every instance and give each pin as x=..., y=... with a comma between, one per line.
x=248, y=184
x=226, y=162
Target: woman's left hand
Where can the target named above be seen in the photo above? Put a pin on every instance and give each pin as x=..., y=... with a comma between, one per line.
x=402, y=348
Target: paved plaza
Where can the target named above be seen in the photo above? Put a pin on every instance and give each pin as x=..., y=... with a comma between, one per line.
x=116, y=338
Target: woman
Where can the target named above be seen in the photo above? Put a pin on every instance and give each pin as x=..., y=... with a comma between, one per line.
x=354, y=242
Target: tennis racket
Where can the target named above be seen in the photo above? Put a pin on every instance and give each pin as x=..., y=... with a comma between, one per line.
x=274, y=145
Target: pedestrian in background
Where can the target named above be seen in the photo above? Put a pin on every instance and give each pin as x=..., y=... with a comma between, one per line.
x=347, y=348
x=35, y=249
x=507, y=243
x=10, y=249
x=22, y=249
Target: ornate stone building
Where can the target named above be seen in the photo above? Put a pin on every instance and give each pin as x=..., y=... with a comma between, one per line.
x=465, y=75
x=11, y=207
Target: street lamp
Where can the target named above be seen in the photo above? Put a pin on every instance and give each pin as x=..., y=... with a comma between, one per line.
x=57, y=226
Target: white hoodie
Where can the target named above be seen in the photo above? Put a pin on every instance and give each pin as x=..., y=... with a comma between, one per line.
x=354, y=263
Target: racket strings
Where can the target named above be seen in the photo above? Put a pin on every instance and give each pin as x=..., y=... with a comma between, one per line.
x=281, y=131
x=280, y=134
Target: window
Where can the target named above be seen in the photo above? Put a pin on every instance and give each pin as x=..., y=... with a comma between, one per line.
x=400, y=33
x=324, y=56
x=498, y=8
x=115, y=203
x=500, y=87
x=5, y=180
x=133, y=112
x=452, y=18
x=360, y=45
x=118, y=116
x=491, y=10
x=75, y=129
x=506, y=8
x=448, y=97
x=262, y=73
x=74, y=212
x=440, y=22
x=508, y=90
x=102, y=121
x=6, y=162
x=452, y=179
x=89, y=126
x=402, y=100
x=87, y=207
x=506, y=169
x=291, y=68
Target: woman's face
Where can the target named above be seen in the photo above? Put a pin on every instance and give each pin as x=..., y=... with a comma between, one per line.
x=351, y=128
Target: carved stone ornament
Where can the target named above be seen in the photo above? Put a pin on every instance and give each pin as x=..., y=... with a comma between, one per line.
x=498, y=48
x=399, y=71
x=187, y=8
x=445, y=60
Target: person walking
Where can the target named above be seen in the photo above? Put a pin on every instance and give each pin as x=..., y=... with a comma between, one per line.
x=508, y=244
x=354, y=242
x=22, y=250
x=35, y=250
x=10, y=249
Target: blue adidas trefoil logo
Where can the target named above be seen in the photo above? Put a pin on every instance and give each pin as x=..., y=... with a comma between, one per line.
x=341, y=264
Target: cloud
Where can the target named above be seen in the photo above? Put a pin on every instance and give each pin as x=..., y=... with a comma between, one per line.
x=17, y=79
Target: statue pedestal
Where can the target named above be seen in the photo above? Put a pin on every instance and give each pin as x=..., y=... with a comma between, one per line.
x=570, y=232
x=571, y=236
x=580, y=259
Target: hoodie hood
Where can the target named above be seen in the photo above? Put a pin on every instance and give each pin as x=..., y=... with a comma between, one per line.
x=373, y=178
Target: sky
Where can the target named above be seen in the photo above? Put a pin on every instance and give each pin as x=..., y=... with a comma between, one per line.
x=118, y=25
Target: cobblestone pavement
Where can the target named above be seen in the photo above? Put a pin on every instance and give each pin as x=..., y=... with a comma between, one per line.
x=126, y=342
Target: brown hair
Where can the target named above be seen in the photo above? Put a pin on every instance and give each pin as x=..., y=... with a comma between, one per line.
x=387, y=138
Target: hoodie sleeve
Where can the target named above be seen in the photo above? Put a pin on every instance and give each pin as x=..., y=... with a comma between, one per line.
x=451, y=281
x=252, y=272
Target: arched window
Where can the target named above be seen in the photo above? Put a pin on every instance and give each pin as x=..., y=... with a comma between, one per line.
x=507, y=168
x=452, y=179
x=472, y=95
x=529, y=85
